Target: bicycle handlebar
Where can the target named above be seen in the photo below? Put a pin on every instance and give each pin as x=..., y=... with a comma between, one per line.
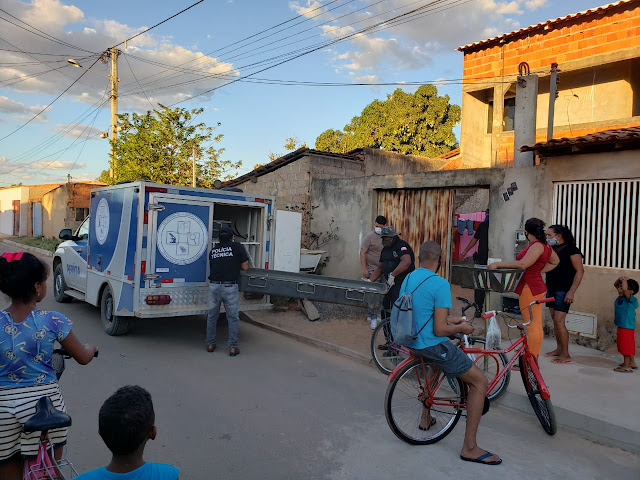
x=546, y=300
x=491, y=313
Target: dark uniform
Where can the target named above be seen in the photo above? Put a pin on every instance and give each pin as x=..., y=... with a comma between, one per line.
x=481, y=257
x=390, y=259
x=226, y=262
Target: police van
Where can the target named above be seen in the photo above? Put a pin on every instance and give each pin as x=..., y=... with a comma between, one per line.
x=143, y=251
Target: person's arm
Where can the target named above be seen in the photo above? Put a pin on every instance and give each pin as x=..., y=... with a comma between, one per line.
x=472, y=243
x=377, y=273
x=82, y=354
x=444, y=329
x=403, y=266
x=553, y=262
x=625, y=288
x=576, y=261
x=363, y=263
x=245, y=265
x=525, y=262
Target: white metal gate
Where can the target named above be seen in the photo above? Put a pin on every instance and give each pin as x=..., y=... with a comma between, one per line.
x=604, y=218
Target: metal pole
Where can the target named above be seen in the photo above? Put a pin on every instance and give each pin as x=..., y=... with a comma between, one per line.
x=194, y=166
x=114, y=108
x=553, y=79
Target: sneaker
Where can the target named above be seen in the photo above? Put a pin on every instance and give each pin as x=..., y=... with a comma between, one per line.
x=373, y=323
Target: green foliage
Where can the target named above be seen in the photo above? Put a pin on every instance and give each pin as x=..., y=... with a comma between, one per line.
x=44, y=243
x=159, y=146
x=417, y=124
x=290, y=144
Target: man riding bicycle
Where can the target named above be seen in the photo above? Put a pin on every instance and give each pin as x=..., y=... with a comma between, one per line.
x=431, y=303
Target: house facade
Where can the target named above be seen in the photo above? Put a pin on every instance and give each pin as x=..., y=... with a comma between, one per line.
x=597, y=52
x=66, y=206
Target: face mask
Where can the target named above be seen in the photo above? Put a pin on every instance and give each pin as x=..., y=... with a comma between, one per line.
x=386, y=241
x=552, y=241
x=378, y=230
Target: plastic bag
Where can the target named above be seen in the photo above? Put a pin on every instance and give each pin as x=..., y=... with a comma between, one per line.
x=494, y=336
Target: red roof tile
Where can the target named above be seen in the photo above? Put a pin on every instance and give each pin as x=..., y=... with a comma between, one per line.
x=629, y=137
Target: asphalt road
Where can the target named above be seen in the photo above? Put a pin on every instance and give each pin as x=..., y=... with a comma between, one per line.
x=285, y=410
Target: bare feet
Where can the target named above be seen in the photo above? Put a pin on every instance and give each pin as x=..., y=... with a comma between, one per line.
x=476, y=453
x=553, y=353
x=561, y=359
x=633, y=366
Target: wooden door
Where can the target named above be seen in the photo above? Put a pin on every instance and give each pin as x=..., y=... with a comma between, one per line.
x=16, y=217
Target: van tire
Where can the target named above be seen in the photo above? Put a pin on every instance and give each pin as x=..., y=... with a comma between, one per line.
x=112, y=324
x=59, y=286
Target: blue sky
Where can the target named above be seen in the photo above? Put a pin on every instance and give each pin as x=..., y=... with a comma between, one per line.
x=255, y=118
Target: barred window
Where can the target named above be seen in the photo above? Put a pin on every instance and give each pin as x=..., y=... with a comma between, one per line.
x=81, y=213
x=604, y=217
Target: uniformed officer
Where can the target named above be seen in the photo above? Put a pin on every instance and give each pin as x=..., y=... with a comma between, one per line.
x=396, y=262
x=226, y=260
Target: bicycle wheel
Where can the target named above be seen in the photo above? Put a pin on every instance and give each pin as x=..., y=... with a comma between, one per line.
x=491, y=365
x=386, y=354
x=406, y=399
x=541, y=406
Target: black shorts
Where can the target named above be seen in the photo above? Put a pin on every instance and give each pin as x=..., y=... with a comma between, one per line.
x=558, y=304
x=449, y=357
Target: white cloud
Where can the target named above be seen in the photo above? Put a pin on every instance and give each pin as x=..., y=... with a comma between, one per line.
x=55, y=165
x=90, y=30
x=81, y=131
x=310, y=10
x=20, y=110
x=535, y=4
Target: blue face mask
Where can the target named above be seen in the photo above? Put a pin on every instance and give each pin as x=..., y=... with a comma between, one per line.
x=552, y=241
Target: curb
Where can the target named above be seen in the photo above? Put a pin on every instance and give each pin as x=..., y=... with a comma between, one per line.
x=29, y=248
x=588, y=427
x=584, y=425
x=308, y=340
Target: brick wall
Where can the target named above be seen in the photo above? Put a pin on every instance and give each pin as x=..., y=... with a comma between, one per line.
x=616, y=29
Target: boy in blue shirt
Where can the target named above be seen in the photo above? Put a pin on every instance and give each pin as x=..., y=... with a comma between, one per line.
x=625, y=319
x=126, y=422
x=431, y=302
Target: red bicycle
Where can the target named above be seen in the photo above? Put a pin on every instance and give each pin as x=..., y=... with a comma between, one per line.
x=422, y=405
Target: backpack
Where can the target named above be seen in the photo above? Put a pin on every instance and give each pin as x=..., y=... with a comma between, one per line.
x=403, y=326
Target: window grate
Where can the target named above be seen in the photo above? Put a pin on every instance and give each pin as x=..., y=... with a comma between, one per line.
x=604, y=218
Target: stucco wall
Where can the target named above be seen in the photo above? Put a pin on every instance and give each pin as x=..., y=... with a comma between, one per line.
x=54, y=211
x=7, y=196
x=382, y=162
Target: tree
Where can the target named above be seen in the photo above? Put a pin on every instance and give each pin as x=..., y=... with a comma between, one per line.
x=290, y=144
x=418, y=124
x=159, y=146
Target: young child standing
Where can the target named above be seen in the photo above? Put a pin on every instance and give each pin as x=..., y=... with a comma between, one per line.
x=625, y=319
x=126, y=423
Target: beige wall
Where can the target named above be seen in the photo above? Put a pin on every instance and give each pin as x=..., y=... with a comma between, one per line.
x=7, y=196
x=54, y=211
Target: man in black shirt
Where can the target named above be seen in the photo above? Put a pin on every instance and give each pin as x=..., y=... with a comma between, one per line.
x=396, y=262
x=226, y=260
x=481, y=257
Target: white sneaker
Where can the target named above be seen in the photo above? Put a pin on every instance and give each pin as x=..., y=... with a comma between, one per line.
x=373, y=323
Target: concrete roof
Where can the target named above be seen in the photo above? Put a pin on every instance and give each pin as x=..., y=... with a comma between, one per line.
x=617, y=139
x=546, y=25
x=285, y=160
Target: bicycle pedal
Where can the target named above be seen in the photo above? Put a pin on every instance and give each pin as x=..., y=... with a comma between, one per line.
x=383, y=347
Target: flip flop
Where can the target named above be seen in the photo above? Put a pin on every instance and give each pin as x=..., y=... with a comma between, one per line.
x=481, y=458
x=431, y=424
x=557, y=361
x=632, y=368
x=622, y=370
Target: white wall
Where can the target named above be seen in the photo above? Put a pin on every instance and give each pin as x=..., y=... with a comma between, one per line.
x=7, y=196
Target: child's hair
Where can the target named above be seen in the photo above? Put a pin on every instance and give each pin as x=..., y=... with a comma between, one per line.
x=633, y=285
x=18, y=277
x=566, y=233
x=381, y=220
x=535, y=227
x=125, y=419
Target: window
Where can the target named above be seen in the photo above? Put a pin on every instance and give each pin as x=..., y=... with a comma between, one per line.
x=508, y=116
x=83, y=230
x=604, y=217
x=81, y=213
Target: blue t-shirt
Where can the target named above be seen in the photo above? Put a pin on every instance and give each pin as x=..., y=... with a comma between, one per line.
x=26, y=348
x=625, y=312
x=433, y=293
x=148, y=471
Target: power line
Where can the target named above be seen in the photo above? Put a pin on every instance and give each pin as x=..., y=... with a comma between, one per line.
x=134, y=76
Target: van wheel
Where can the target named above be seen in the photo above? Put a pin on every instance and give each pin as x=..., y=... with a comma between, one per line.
x=59, y=286
x=112, y=324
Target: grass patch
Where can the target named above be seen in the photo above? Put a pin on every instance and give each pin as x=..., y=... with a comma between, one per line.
x=40, y=242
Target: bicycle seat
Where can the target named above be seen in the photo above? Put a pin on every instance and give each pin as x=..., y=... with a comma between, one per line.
x=46, y=418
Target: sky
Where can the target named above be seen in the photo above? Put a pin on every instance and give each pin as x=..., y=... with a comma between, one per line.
x=190, y=60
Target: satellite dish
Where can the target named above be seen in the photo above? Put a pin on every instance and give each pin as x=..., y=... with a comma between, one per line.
x=217, y=184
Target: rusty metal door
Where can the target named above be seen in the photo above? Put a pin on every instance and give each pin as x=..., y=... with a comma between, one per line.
x=421, y=215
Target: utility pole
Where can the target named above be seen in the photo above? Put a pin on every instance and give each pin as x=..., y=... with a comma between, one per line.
x=194, y=164
x=114, y=107
x=553, y=94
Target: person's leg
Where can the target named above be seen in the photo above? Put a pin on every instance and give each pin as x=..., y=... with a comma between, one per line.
x=12, y=469
x=478, y=298
x=556, y=351
x=534, y=329
x=231, y=299
x=214, y=312
x=562, y=337
x=477, y=383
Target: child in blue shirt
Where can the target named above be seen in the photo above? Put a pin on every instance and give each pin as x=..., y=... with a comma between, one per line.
x=625, y=319
x=125, y=423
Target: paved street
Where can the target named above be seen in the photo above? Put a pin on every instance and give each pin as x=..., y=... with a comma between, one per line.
x=286, y=410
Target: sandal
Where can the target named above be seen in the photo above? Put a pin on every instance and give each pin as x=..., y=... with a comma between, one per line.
x=431, y=424
x=233, y=351
x=632, y=367
x=623, y=370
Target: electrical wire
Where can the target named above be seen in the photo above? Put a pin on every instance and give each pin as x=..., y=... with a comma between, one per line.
x=134, y=76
